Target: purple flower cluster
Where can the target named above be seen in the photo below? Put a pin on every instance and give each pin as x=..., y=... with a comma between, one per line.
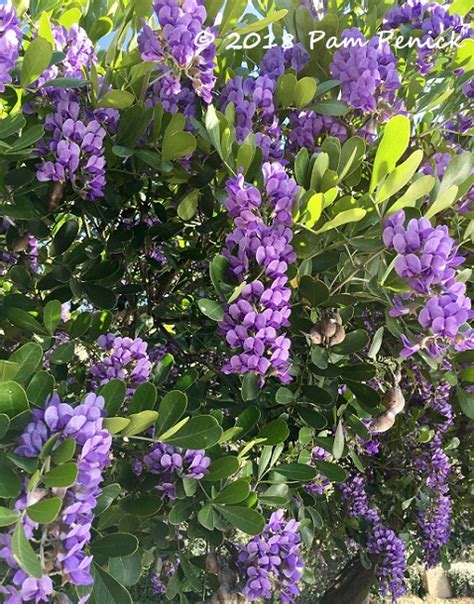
x=306, y=128
x=468, y=88
x=77, y=144
x=259, y=251
x=126, y=359
x=434, y=20
x=79, y=55
x=253, y=100
x=427, y=259
x=182, y=45
x=355, y=499
x=367, y=71
x=391, y=566
x=10, y=38
x=167, y=569
x=65, y=540
x=171, y=463
x=272, y=562
x=320, y=482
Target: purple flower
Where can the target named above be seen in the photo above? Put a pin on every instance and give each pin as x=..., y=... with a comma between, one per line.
x=355, y=499
x=391, y=565
x=170, y=463
x=367, y=71
x=307, y=128
x=69, y=535
x=10, y=39
x=182, y=45
x=468, y=88
x=125, y=359
x=259, y=252
x=271, y=562
x=320, y=482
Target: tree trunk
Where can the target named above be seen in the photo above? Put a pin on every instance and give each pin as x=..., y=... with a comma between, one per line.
x=351, y=586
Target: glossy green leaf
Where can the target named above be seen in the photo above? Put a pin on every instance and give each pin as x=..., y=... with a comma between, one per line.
x=233, y=493
x=274, y=432
x=107, y=590
x=28, y=357
x=8, y=370
x=45, y=511
x=345, y=217
x=40, y=387
x=116, y=99
x=144, y=398
x=61, y=476
x=139, y=422
x=393, y=145
x=13, y=399
x=296, y=472
x=8, y=516
x=171, y=409
x=246, y=520
x=222, y=468
x=211, y=309
x=114, y=395
x=200, y=432
x=115, y=545
x=24, y=554
x=36, y=60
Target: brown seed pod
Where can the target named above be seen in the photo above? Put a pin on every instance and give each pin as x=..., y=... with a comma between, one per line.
x=212, y=563
x=394, y=400
x=55, y=195
x=328, y=326
x=338, y=337
x=315, y=335
x=21, y=244
x=383, y=422
x=222, y=596
x=227, y=578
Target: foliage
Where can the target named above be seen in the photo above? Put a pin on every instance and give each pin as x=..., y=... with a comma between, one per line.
x=233, y=308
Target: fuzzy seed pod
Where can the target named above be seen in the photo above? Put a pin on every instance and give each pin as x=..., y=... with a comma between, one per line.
x=328, y=326
x=21, y=244
x=227, y=577
x=222, y=596
x=383, y=422
x=212, y=563
x=394, y=400
x=315, y=335
x=338, y=337
x=55, y=195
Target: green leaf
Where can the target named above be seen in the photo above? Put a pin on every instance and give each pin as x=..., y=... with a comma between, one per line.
x=66, y=83
x=176, y=142
x=144, y=398
x=246, y=520
x=100, y=296
x=354, y=341
x=314, y=209
x=115, y=545
x=45, y=511
x=63, y=354
x=28, y=138
x=61, y=476
x=232, y=12
x=315, y=291
x=260, y=24
x=127, y=570
x=11, y=125
x=13, y=399
x=188, y=206
x=108, y=590
x=101, y=28
x=80, y=325
x=10, y=483
x=331, y=107
x=64, y=237
x=352, y=154
x=312, y=418
x=40, y=387
x=139, y=422
x=222, y=468
x=8, y=517
x=29, y=357
x=109, y=493
x=284, y=396
x=397, y=179
x=305, y=91
x=296, y=472
x=52, y=315
x=37, y=58
x=65, y=451
x=342, y=218
x=115, y=425
x=421, y=187
x=117, y=99
x=217, y=271
x=114, y=395
x=394, y=143
x=247, y=420
x=338, y=446
x=8, y=370
x=467, y=374
x=171, y=409
x=4, y=424
x=211, y=309
x=376, y=343
x=250, y=388
x=147, y=505
x=24, y=554
x=206, y=517
x=200, y=432
x=23, y=320
x=180, y=512
x=466, y=402
x=235, y=492
x=331, y=470
x=275, y=432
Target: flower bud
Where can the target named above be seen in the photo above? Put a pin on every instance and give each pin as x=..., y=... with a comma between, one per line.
x=383, y=422
x=394, y=400
x=328, y=326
